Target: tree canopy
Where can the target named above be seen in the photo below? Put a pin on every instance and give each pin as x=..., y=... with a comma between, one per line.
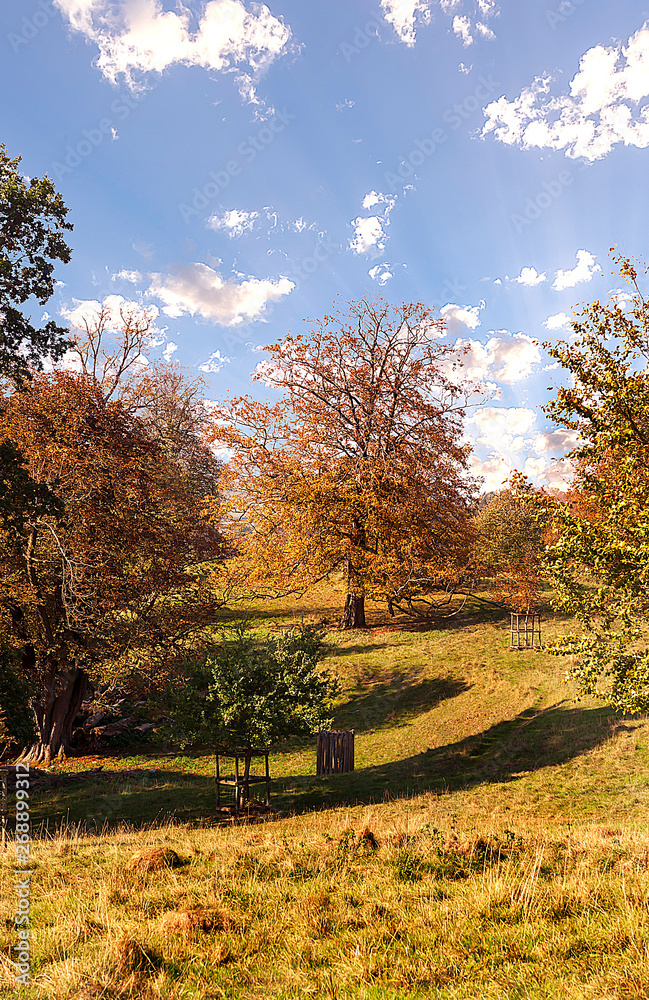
x=32, y=227
x=251, y=693
x=105, y=581
x=359, y=466
x=599, y=560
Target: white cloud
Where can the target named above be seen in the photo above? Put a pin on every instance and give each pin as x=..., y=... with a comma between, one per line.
x=138, y=37
x=555, y=443
x=507, y=358
x=373, y=198
x=343, y=105
x=557, y=322
x=584, y=270
x=554, y=475
x=134, y=277
x=529, y=276
x=235, y=222
x=621, y=298
x=402, y=14
x=170, y=349
x=462, y=28
x=494, y=470
x=198, y=289
x=370, y=237
x=503, y=425
x=458, y=317
x=87, y=311
x=214, y=363
x=607, y=104
x=381, y=273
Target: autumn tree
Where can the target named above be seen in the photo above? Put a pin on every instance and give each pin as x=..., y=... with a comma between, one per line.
x=359, y=466
x=110, y=348
x=599, y=561
x=104, y=583
x=508, y=546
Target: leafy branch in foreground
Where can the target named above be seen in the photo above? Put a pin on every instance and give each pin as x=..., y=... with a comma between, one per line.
x=599, y=559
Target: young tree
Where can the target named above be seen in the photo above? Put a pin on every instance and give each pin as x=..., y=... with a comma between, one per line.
x=599, y=561
x=252, y=694
x=358, y=466
x=32, y=227
x=103, y=584
x=509, y=544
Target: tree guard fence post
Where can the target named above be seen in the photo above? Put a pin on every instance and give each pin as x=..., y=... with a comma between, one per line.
x=525, y=630
x=335, y=752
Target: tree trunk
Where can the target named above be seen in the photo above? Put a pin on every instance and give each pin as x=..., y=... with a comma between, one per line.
x=55, y=708
x=354, y=614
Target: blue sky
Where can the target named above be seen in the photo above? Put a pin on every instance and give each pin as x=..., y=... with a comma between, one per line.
x=234, y=168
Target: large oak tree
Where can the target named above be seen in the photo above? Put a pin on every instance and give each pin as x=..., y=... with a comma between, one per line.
x=360, y=464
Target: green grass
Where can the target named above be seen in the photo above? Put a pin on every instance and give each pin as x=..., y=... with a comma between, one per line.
x=511, y=842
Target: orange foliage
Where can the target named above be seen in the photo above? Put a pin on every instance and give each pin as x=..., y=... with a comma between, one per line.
x=359, y=465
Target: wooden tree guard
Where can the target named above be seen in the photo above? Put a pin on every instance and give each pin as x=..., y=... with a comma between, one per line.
x=4, y=808
x=335, y=753
x=526, y=630
x=241, y=782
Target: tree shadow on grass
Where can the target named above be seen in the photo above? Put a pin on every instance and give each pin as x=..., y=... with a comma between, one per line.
x=396, y=701
x=504, y=752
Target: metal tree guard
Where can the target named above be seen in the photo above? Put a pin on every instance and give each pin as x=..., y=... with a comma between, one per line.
x=526, y=630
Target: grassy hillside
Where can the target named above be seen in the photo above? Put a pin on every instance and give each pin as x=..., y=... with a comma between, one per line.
x=492, y=842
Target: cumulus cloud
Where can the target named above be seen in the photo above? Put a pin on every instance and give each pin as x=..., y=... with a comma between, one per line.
x=607, y=104
x=495, y=471
x=466, y=17
x=507, y=358
x=214, y=363
x=114, y=307
x=381, y=273
x=529, y=276
x=343, y=105
x=197, y=289
x=584, y=270
x=458, y=317
x=557, y=322
x=235, y=222
x=402, y=14
x=370, y=236
x=373, y=198
x=555, y=475
x=137, y=37
x=462, y=28
x=555, y=443
x=503, y=423
x=170, y=349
